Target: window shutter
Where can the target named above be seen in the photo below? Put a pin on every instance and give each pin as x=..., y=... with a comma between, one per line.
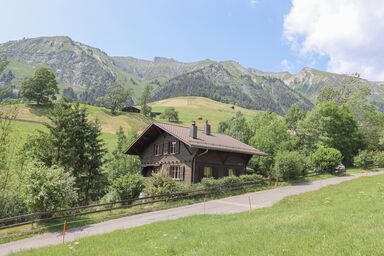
x=161, y=147
x=169, y=147
x=154, y=149
x=183, y=173
x=177, y=149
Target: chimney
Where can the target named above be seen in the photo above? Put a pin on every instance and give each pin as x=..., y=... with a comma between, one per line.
x=207, y=128
x=193, y=130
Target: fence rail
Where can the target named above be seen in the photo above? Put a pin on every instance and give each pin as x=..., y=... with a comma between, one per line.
x=37, y=217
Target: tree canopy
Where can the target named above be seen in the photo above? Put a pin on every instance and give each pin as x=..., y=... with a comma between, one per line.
x=41, y=88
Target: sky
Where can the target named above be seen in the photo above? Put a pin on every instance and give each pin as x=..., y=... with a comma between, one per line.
x=344, y=36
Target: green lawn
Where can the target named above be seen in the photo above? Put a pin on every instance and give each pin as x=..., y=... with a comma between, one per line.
x=346, y=219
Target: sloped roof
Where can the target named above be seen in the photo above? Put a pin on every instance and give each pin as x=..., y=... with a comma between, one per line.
x=214, y=141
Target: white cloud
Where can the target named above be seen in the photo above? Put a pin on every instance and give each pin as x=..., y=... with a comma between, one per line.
x=286, y=65
x=349, y=32
x=253, y=3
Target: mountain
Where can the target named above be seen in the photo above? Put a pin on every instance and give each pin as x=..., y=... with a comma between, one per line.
x=90, y=72
x=227, y=82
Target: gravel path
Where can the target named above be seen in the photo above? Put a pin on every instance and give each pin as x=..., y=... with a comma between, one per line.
x=228, y=205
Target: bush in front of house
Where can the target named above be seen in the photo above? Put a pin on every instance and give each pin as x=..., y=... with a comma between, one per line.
x=250, y=178
x=48, y=189
x=365, y=159
x=160, y=183
x=288, y=164
x=128, y=186
x=378, y=159
x=229, y=181
x=325, y=160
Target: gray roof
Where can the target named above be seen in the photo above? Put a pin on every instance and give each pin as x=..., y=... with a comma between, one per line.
x=214, y=141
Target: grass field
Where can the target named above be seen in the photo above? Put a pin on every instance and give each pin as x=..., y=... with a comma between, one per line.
x=337, y=220
x=189, y=108
x=199, y=109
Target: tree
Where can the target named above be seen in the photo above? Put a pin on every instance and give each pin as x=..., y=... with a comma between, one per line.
x=333, y=126
x=70, y=93
x=325, y=160
x=288, y=164
x=73, y=142
x=270, y=132
x=365, y=159
x=42, y=87
x=117, y=97
x=170, y=114
x=330, y=94
x=48, y=189
x=145, y=109
x=118, y=164
x=236, y=127
x=293, y=116
x=3, y=64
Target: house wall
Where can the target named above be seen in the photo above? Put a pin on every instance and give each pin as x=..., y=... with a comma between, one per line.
x=182, y=158
x=220, y=162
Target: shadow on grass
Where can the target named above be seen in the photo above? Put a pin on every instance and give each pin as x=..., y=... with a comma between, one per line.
x=41, y=110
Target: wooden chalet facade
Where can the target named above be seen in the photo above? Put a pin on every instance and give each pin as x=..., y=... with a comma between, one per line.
x=189, y=155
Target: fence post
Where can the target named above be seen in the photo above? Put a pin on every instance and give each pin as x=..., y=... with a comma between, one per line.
x=249, y=201
x=204, y=204
x=64, y=229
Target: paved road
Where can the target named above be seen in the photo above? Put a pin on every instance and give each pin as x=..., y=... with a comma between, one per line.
x=228, y=205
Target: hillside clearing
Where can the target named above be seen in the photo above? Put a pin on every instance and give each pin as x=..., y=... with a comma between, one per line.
x=344, y=219
x=200, y=109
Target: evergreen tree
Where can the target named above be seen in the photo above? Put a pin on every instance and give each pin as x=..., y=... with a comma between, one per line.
x=73, y=142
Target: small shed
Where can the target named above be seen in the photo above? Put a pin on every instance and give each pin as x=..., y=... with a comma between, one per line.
x=130, y=109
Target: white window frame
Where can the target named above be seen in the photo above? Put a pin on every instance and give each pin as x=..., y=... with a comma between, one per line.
x=176, y=172
x=208, y=170
x=231, y=172
x=157, y=150
x=172, y=148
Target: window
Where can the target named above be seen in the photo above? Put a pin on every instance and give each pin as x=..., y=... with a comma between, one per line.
x=207, y=172
x=156, y=150
x=231, y=172
x=176, y=172
x=172, y=147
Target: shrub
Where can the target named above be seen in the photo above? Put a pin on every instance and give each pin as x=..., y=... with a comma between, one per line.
x=288, y=164
x=160, y=183
x=378, y=159
x=325, y=160
x=229, y=181
x=128, y=186
x=250, y=178
x=48, y=189
x=209, y=182
x=364, y=159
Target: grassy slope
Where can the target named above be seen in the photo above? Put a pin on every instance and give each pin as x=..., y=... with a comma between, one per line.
x=191, y=108
x=109, y=123
x=338, y=220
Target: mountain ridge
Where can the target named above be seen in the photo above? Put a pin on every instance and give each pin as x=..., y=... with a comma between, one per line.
x=90, y=72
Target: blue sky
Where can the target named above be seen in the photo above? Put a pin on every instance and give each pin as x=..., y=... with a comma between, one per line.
x=247, y=31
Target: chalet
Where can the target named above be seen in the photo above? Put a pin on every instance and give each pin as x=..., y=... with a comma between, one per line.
x=130, y=109
x=188, y=154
